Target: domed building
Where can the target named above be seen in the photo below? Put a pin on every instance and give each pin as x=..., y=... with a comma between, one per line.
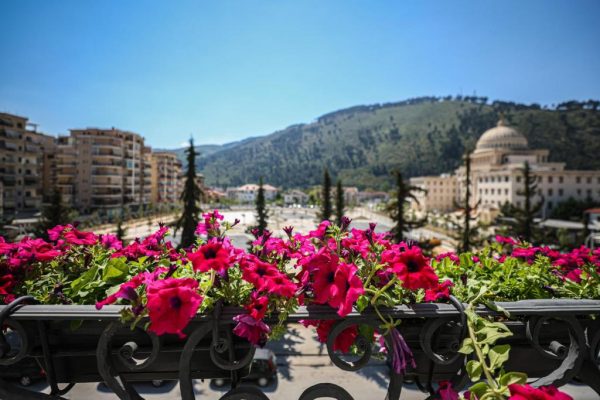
x=496, y=176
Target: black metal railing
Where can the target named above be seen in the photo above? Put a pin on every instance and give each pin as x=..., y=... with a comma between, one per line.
x=554, y=341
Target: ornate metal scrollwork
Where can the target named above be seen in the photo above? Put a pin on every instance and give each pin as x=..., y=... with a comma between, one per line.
x=572, y=358
x=106, y=366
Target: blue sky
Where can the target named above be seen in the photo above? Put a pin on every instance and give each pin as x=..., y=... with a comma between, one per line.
x=226, y=70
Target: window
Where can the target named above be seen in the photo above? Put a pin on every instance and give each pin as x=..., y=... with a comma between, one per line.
x=579, y=192
x=550, y=205
x=492, y=191
x=578, y=179
x=560, y=192
x=550, y=179
x=506, y=191
x=560, y=179
x=518, y=179
x=589, y=179
x=506, y=178
x=550, y=192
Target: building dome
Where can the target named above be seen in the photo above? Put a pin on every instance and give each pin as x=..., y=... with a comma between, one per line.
x=501, y=137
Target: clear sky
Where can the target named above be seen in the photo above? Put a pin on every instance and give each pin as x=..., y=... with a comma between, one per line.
x=225, y=70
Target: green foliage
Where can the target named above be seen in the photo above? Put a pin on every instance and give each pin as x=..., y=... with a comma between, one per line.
x=397, y=208
x=466, y=234
x=572, y=209
x=424, y=136
x=524, y=226
x=191, y=197
x=53, y=214
x=261, y=209
x=326, y=209
x=339, y=202
x=487, y=356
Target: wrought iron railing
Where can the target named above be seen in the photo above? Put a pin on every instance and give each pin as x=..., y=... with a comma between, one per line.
x=555, y=341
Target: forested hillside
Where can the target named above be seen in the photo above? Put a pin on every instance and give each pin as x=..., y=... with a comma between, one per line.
x=422, y=136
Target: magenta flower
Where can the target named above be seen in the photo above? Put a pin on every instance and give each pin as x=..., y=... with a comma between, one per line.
x=172, y=303
x=255, y=331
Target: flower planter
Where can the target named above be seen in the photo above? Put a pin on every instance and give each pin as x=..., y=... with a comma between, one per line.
x=554, y=341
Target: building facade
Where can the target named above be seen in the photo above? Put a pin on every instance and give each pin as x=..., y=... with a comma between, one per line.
x=166, y=178
x=23, y=152
x=437, y=193
x=104, y=170
x=497, y=175
x=247, y=193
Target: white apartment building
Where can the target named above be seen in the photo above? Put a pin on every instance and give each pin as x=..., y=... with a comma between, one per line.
x=247, y=193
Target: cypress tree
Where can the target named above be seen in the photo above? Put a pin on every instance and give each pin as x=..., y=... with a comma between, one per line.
x=467, y=235
x=339, y=203
x=396, y=208
x=121, y=231
x=190, y=197
x=523, y=226
x=54, y=213
x=261, y=209
x=326, y=209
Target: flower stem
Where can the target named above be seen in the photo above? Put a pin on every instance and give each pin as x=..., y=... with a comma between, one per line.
x=383, y=289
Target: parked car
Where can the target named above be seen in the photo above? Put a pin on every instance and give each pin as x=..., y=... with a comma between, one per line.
x=262, y=371
x=25, y=371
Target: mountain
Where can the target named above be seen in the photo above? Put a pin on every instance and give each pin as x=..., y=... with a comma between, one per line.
x=421, y=136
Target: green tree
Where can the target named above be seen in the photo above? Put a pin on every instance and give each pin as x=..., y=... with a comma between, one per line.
x=339, y=203
x=523, y=217
x=467, y=235
x=121, y=231
x=326, y=209
x=190, y=197
x=261, y=209
x=54, y=213
x=397, y=208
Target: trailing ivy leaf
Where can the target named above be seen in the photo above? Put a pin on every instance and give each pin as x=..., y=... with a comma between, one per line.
x=498, y=355
x=474, y=370
x=478, y=390
x=467, y=346
x=513, y=377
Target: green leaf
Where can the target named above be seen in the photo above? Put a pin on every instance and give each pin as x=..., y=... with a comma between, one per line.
x=513, y=377
x=85, y=278
x=467, y=346
x=498, y=355
x=478, y=390
x=474, y=370
x=116, y=269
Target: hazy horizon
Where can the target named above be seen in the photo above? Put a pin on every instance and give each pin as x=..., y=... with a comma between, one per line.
x=226, y=71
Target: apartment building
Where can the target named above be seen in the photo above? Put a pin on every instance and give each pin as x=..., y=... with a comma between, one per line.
x=24, y=152
x=104, y=170
x=437, y=193
x=166, y=178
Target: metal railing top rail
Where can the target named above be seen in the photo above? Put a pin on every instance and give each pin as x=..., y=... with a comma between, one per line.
x=547, y=307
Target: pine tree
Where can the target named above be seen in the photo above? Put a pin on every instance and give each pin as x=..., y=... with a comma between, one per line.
x=523, y=225
x=396, y=208
x=261, y=210
x=467, y=235
x=339, y=203
x=191, y=197
x=54, y=213
x=326, y=209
